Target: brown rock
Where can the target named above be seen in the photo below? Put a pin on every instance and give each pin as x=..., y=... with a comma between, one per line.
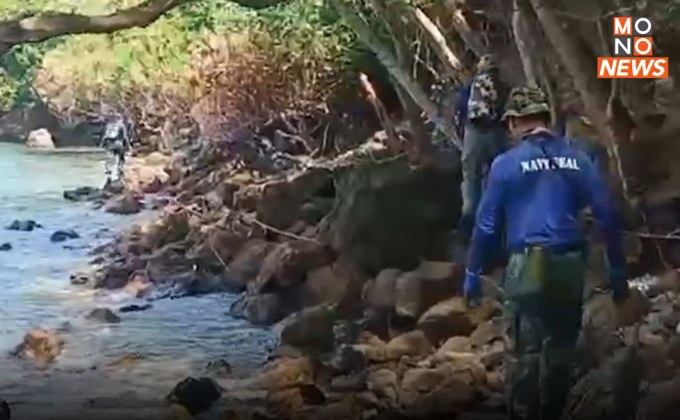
x=40, y=345
x=124, y=204
x=492, y=354
x=485, y=333
x=414, y=344
x=167, y=263
x=495, y=381
x=248, y=259
x=348, y=408
x=283, y=373
x=451, y=317
x=633, y=309
x=265, y=309
x=428, y=392
x=430, y=283
x=138, y=285
x=326, y=284
x=295, y=402
x=384, y=383
x=287, y=263
x=380, y=292
x=456, y=344
x=310, y=329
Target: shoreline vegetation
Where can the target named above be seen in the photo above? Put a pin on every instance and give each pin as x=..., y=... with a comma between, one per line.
x=303, y=157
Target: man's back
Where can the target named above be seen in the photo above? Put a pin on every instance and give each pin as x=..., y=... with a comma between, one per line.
x=545, y=184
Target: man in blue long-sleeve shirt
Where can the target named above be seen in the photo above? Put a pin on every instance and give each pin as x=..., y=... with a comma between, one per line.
x=535, y=193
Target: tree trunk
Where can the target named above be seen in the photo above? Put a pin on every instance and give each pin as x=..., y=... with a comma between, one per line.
x=365, y=34
x=582, y=71
x=524, y=41
x=436, y=40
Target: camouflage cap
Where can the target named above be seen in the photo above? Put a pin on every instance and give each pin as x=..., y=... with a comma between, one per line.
x=524, y=101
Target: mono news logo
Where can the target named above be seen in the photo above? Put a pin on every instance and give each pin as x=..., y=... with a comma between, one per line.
x=633, y=52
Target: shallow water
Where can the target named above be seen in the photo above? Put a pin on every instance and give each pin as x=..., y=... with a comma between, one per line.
x=174, y=338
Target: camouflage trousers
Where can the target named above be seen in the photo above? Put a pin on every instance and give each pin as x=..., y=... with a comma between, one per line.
x=544, y=320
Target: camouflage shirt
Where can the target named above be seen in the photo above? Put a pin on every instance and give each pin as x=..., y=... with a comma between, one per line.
x=484, y=97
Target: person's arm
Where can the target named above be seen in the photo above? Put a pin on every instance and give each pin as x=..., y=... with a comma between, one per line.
x=489, y=221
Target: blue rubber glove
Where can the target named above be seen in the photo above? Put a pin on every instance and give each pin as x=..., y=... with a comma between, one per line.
x=472, y=289
x=618, y=283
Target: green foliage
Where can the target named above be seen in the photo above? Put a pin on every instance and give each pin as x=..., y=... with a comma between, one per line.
x=91, y=67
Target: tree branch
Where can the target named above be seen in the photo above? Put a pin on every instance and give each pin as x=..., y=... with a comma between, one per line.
x=43, y=26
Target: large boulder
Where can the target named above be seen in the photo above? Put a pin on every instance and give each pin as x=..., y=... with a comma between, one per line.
x=430, y=283
x=312, y=328
x=451, y=318
x=40, y=139
x=24, y=225
x=196, y=395
x=287, y=264
x=389, y=215
x=127, y=203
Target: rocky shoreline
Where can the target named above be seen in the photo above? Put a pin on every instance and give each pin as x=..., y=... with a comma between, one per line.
x=348, y=258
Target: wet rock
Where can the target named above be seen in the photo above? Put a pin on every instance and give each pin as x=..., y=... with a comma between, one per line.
x=6, y=247
x=135, y=308
x=40, y=345
x=196, y=395
x=83, y=194
x=178, y=412
x=219, y=367
x=64, y=235
x=124, y=204
x=40, y=139
x=104, y=315
x=139, y=285
x=24, y=225
x=265, y=309
x=169, y=265
x=310, y=329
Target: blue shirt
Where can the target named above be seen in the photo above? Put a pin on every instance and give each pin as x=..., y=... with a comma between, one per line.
x=535, y=193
